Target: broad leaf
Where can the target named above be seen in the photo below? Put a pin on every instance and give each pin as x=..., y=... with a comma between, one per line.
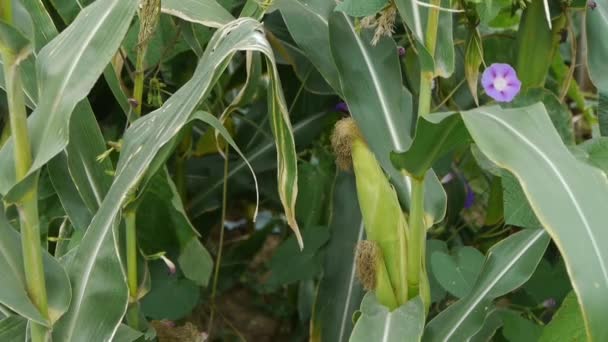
x=96, y=255
x=372, y=87
x=565, y=194
x=376, y=323
x=457, y=274
x=508, y=265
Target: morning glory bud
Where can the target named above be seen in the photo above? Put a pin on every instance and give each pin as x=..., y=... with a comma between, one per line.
x=500, y=82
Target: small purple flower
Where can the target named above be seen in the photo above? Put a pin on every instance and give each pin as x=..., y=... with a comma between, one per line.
x=401, y=51
x=500, y=82
x=341, y=107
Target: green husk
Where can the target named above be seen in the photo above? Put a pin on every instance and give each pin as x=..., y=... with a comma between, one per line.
x=384, y=221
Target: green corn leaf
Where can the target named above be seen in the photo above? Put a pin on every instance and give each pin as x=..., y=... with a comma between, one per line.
x=378, y=324
x=205, y=12
x=69, y=9
x=565, y=194
x=372, y=87
x=13, y=293
x=85, y=143
x=416, y=17
x=361, y=8
x=308, y=24
x=339, y=292
x=508, y=265
x=13, y=329
x=98, y=298
x=86, y=47
x=412, y=17
x=442, y=131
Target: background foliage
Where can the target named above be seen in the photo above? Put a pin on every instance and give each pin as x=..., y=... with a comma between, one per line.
x=182, y=184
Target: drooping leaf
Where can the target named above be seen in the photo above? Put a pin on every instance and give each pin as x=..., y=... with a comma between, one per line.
x=142, y=142
x=378, y=324
x=260, y=155
x=563, y=192
x=372, y=87
x=508, y=265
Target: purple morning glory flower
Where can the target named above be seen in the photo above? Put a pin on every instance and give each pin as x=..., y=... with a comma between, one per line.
x=341, y=107
x=500, y=82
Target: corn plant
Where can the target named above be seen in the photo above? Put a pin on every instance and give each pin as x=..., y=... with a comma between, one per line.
x=353, y=170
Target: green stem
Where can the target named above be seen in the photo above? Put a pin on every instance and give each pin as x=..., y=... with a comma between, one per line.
x=218, y=259
x=28, y=204
x=426, y=77
x=416, y=272
x=417, y=238
x=130, y=216
x=131, y=237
